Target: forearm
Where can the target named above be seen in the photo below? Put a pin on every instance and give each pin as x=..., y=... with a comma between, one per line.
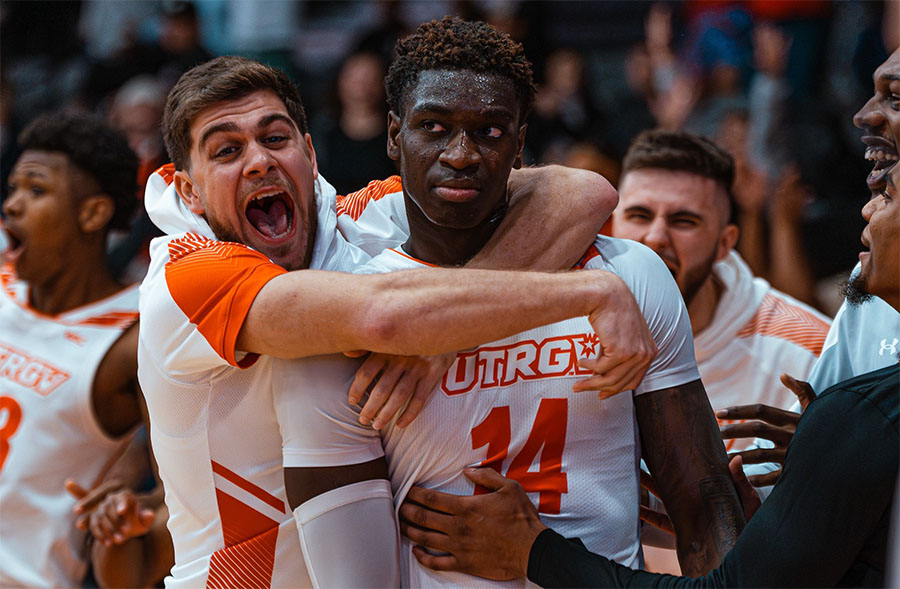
x=554, y=216
x=687, y=459
x=557, y=562
x=413, y=312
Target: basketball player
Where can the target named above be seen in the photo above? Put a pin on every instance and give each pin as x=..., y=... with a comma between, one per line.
x=459, y=94
x=245, y=212
x=68, y=337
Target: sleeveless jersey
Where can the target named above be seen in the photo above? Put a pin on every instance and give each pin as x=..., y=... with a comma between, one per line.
x=509, y=405
x=48, y=430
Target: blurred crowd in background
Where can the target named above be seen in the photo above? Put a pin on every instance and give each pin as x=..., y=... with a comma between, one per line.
x=775, y=82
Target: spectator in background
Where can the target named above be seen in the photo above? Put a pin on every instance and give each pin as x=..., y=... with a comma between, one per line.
x=563, y=112
x=350, y=139
x=137, y=112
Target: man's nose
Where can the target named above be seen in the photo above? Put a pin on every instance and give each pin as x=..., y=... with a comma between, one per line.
x=461, y=152
x=657, y=236
x=259, y=160
x=869, y=115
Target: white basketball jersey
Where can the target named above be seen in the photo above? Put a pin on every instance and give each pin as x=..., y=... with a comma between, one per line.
x=215, y=430
x=509, y=405
x=48, y=431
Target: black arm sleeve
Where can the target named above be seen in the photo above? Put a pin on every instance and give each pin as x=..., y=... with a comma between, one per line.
x=825, y=522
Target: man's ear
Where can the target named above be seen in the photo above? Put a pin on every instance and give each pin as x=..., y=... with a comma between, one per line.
x=393, y=148
x=312, y=155
x=95, y=212
x=518, y=163
x=187, y=190
x=727, y=240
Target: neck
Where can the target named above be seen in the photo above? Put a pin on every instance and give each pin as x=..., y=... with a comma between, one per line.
x=445, y=246
x=79, y=284
x=702, y=307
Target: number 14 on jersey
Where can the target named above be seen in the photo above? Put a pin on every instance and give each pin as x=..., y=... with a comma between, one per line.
x=547, y=436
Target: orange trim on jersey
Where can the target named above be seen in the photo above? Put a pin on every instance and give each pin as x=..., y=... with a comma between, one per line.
x=214, y=284
x=590, y=254
x=779, y=318
x=7, y=277
x=250, y=537
x=246, y=485
x=166, y=172
x=408, y=257
x=119, y=319
x=355, y=203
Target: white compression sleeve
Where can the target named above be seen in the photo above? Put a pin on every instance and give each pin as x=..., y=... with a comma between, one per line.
x=350, y=537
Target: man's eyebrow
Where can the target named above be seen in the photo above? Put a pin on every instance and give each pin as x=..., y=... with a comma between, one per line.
x=439, y=109
x=269, y=119
x=685, y=213
x=220, y=128
x=638, y=209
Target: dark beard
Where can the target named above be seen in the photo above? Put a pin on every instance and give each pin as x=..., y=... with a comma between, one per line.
x=854, y=291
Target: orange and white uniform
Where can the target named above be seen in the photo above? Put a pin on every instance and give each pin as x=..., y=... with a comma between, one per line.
x=48, y=430
x=215, y=430
x=509, y=405
x=756, y=334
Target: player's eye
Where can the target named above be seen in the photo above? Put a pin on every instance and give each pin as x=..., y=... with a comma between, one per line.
x=225, y=152
x=433, y=127
x=276, y=140
x=894, y=101
x=493, y=132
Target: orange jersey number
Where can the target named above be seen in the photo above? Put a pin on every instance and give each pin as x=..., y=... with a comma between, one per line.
x=547, y=436
x=13, y=413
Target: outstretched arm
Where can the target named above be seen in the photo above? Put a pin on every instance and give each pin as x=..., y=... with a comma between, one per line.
x=554, y=215
x=435, y=310
x=684, y=451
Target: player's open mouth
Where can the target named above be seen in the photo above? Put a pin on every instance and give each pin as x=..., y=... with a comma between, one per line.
x=271, y=213
x=884, y=155
x=14, y=248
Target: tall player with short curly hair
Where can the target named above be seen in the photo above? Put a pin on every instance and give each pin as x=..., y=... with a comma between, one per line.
x=457, y=129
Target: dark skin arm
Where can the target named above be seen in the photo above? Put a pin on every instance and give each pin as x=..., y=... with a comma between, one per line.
x=116, y=395
x=302, y=484
x=684, y=451
x=554, y=215
x=133, y=546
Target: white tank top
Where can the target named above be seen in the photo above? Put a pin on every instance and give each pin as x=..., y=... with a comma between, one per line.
x=48, y=431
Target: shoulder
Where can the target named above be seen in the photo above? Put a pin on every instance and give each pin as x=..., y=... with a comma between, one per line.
x=197, y=265
x=783, y=317
x=621, y=256
x=878, y=390
x=355, y=203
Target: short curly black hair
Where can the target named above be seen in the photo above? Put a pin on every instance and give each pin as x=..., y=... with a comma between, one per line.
x=455, y=44
x=96, y=149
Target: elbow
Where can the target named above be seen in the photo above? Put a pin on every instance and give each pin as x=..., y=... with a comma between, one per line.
x=598, y=194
